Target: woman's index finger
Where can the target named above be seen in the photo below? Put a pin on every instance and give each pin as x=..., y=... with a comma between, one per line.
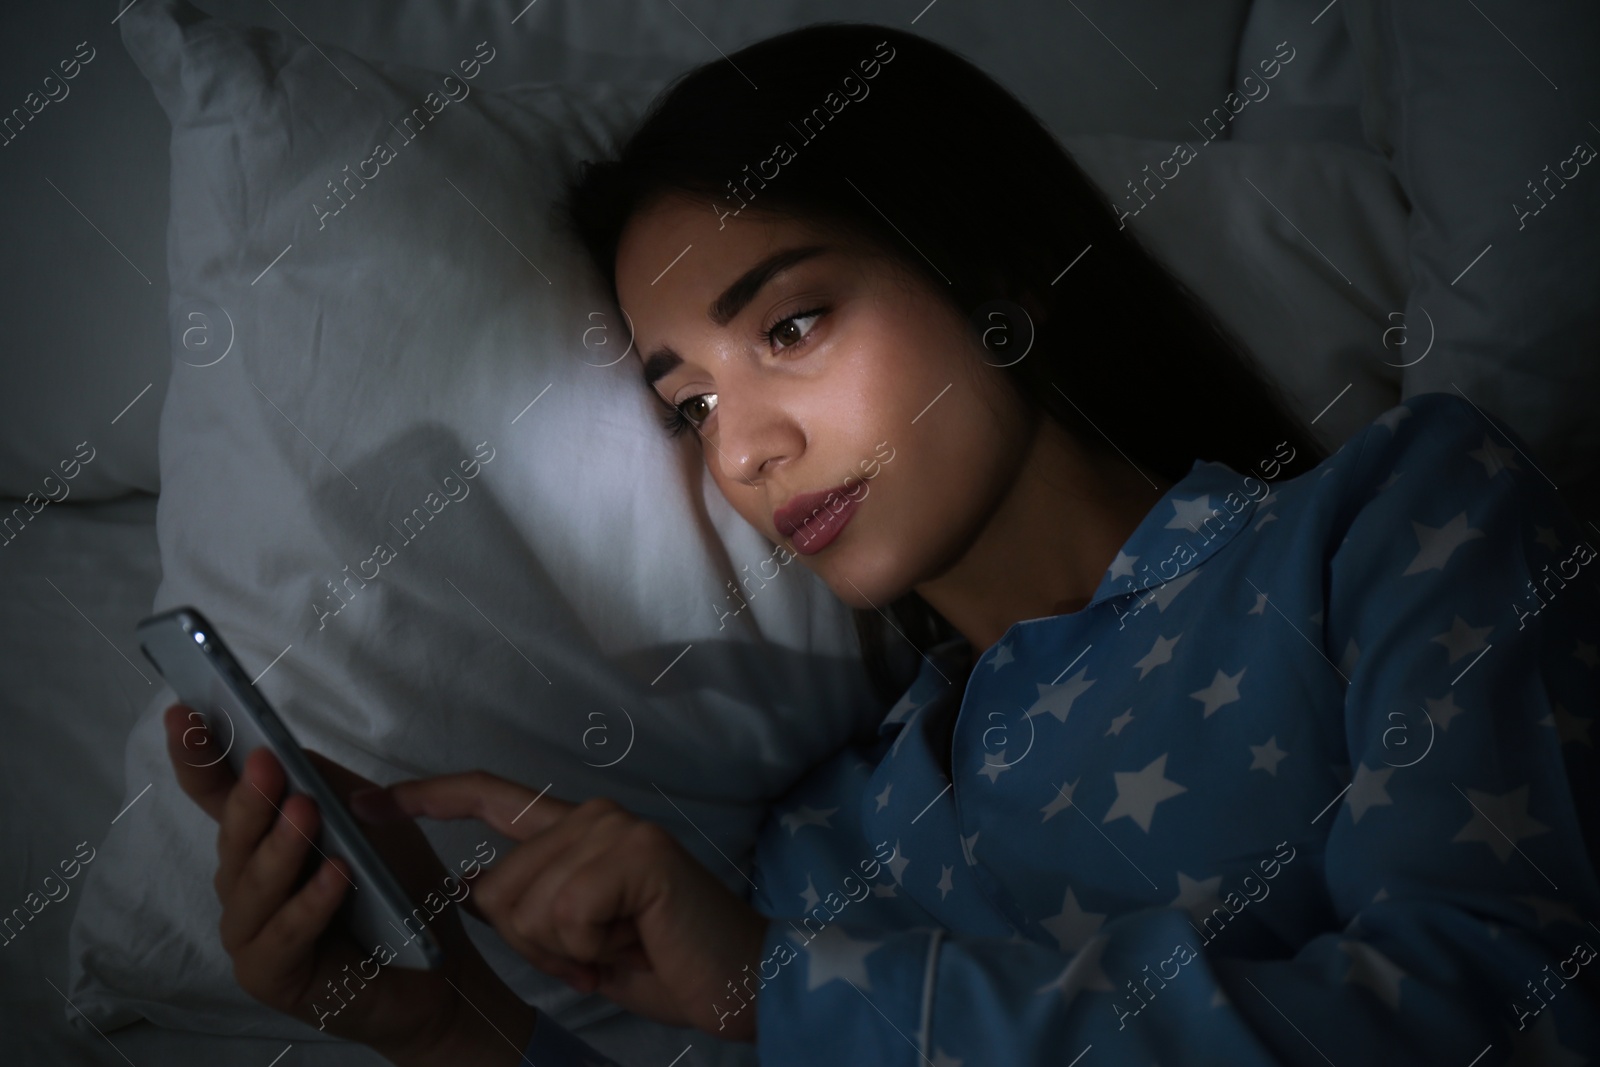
x=508, y=807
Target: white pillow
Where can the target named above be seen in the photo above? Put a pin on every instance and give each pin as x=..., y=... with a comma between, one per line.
x=92, y=307
x=1315, y=96
x=437, y=327
x=1299, y=247
x=1475, y=111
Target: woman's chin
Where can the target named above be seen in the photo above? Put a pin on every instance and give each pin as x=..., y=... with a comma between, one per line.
x=859, y=587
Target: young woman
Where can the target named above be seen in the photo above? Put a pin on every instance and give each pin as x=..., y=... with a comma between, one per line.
x=1216, y=747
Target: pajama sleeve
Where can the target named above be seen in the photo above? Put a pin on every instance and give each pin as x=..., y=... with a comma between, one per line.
x=1458, y=866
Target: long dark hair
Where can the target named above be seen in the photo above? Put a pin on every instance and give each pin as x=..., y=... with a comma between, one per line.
x=904, y=144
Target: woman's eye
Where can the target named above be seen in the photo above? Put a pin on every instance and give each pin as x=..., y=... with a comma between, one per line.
x=788, y=331
x=705, y=401
x=678, y=419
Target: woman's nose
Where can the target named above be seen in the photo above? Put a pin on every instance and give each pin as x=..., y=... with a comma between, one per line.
x=752, y=439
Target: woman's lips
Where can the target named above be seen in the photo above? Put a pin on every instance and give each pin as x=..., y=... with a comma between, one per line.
x=812, y=520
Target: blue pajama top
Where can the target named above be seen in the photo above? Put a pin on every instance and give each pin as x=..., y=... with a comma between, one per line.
x=1311, y=779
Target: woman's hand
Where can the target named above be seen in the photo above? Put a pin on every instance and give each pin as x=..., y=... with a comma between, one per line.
x=288, y=952
x=602, y=899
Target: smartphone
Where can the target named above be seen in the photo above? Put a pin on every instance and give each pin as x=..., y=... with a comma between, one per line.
x=192, y=657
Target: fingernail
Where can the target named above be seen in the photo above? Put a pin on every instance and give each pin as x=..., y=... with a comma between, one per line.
x=375, y=805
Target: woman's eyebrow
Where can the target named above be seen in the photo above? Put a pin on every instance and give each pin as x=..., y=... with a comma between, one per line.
x=732, y=301
x=744, y=289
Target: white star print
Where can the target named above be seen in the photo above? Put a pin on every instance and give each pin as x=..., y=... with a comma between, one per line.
x=897, y=865
x=1352, y=656
x=1122, y=566
x=809, y=894
x=1494, y=458
x=1002, y=656
x=1261, y=605
x=1267, y=756
x=1374, y=970
x=1271, y=516
x=1500, y=821
x=966, y=848
x=1394, y=476
x=1072, y=927
x=1138, y=792
x=1547, y=537
x=834, y=954
x=1059, y=802
x=1057, y=699
x=1160, y=652
x=1198, y=898
x=1224, y=689
x=992, y=769
x=1463, y=639
x=883, y=797
x=940, y=1059
x=1190, y=514
x=1444, y=709
x=806, y=816
x=1437, y=543
x=1568, y=727
x=1369, y=790
x=945, y=884
x=1119, y=722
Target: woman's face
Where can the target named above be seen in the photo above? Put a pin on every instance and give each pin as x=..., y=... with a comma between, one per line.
x=870, y=384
